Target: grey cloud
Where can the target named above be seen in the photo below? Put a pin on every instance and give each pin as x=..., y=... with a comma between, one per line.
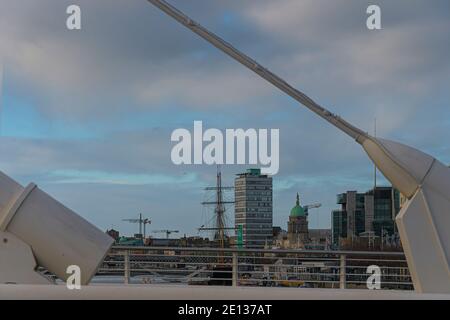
x=131, y=58
x=130, y=54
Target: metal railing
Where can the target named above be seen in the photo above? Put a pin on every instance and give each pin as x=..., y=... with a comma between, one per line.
x=253, y=267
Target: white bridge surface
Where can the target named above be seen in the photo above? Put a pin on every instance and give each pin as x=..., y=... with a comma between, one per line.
x=159, y=292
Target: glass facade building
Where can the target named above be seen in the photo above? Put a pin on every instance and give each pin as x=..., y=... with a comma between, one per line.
x=386, y=207
x=373, y=211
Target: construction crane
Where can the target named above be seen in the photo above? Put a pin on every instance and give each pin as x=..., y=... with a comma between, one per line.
x=311, y=206
x=142, y=223
x=421, y=178
x=167, y=232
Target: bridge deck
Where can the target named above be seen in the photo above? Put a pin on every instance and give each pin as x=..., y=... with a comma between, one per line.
x=155, y=292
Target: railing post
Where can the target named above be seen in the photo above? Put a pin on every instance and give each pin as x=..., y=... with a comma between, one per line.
x=126, y=263
x=342, y=272
x=235, y=269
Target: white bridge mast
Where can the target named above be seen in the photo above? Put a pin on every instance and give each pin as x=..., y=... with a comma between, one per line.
x=424, y=220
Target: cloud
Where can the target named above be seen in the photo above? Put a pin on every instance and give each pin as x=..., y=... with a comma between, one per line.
x=321, y=46
x=328, y=43
x=202, y=89
x=93, y=110
x=73, y=176
x=101, y=71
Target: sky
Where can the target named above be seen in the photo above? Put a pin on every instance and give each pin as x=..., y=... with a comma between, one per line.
x=87, y=114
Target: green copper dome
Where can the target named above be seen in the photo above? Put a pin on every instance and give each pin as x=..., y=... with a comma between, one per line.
x=297, y=211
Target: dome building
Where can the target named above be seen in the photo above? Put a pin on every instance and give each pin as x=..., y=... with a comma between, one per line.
x=298, y=226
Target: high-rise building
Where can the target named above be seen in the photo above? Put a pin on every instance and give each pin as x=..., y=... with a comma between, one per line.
x=370, y=214
x=349, y=221
x=253, y=208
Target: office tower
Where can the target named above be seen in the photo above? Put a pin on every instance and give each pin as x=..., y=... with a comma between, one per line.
x=365, y=214
x=253, y=208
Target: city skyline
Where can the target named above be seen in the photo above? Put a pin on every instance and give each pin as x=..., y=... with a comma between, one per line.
x=89, y=117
